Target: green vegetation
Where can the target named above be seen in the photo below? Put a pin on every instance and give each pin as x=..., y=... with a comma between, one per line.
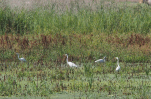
x=103, y=18
x=88, y=80
x=85, y=31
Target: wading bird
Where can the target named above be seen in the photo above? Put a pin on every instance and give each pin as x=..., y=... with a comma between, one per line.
x=101, y=60
x=70, y=63
x=21, y=59
x=118, y=66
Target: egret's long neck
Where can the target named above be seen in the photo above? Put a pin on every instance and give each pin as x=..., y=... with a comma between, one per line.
x=67, y=58
x=118, y=62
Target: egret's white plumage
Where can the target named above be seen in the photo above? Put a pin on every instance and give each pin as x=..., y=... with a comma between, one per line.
x=118, y=66
x=21, y=59
x=70, y=63
x=101, y=60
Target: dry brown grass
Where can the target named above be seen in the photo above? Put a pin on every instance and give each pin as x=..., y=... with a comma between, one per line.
x=133, y=43
x=133, y=39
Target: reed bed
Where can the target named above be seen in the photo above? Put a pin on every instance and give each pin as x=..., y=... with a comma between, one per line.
x=78, y=17
x=44, y=31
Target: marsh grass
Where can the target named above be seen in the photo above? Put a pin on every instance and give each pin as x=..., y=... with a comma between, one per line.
x=43, y=33
x=88, y=18
x=45, y=48
x=85, y=80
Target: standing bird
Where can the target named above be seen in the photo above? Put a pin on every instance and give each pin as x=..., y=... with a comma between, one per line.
x=101, y=60
x=70, y=63
x=21, y=59
x=118, y=66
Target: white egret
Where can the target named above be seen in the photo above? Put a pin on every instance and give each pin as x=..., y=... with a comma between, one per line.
x=70, y=63
x=21, y=59
x=118, y=66
x=101, y=60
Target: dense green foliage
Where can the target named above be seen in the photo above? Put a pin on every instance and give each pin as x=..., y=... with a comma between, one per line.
x=111, y=19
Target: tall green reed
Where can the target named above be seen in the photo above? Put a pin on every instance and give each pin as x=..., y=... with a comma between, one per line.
x=82, y=20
